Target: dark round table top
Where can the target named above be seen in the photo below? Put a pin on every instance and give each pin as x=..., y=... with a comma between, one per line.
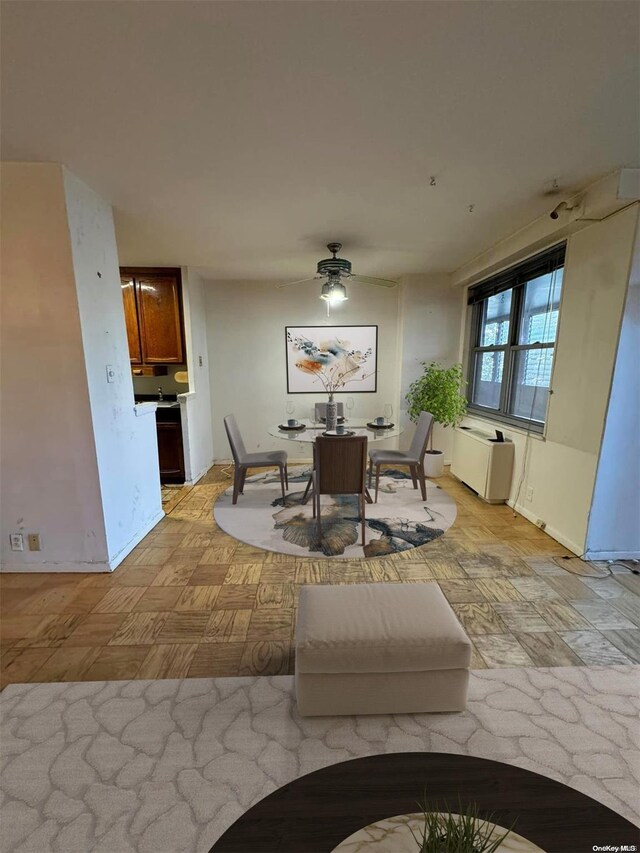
x=314, y=813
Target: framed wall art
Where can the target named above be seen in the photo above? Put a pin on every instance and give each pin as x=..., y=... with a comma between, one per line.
x=331, y=359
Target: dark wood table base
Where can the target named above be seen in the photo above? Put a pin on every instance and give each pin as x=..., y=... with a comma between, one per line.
x=314, y=813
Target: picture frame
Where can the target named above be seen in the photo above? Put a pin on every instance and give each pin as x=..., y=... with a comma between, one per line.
x=331, y=359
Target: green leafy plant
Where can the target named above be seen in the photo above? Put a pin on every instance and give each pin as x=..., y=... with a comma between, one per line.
x=438, y=391
x=464, y=832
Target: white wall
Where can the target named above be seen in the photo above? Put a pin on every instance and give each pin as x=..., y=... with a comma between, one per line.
x=561, y=466
x=72, y=469
x=49, y=471
x=196, y=404
x=246, y=332
x=418, y=321
x=430, y=311
x=126, y=445
x=614, y=520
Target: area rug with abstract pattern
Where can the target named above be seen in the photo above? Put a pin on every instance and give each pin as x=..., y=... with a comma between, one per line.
x=399, y=521
x=166, y=766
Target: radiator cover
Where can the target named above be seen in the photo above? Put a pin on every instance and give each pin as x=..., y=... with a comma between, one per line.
x=483, y=464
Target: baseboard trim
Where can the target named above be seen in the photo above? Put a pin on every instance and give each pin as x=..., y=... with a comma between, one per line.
x=51, y=568
x=199, y=476
x=612, y=555
x=114, y=562
x=553, y=533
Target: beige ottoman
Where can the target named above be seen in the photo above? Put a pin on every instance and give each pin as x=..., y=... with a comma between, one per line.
x=379, y=649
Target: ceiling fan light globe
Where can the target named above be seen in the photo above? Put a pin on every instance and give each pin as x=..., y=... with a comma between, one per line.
x=334, y=293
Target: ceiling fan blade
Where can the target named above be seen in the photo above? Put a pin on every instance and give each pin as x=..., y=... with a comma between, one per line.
x=380, y=282
x=300, y=281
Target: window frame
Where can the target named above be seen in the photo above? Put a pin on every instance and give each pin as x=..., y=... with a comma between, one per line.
x=516, y=279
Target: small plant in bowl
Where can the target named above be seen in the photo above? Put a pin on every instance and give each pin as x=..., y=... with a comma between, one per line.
x=439, y=391
x=462, y=832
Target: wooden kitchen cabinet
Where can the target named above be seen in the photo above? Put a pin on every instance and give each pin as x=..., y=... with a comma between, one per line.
x=170, y=449
x=131, y=318
x=153, y=315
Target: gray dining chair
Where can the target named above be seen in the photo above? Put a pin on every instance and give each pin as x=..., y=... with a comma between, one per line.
x=243, y=460
x=321, y=411
x=413, y=458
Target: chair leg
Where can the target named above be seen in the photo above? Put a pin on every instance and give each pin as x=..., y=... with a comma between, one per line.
x=414, y=476
x=370, y=471
x=282, y=482
x=286, y=476
x=318, y=520
x=236, y=484
x=305, y=497
x=377, y=482
x=316, y=504
x=423, y=485
x=362, y=518
x=243, y=476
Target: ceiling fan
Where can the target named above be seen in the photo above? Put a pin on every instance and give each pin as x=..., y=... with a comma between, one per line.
x=336, y=271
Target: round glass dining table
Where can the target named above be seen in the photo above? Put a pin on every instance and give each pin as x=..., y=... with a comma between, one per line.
x=359, y=427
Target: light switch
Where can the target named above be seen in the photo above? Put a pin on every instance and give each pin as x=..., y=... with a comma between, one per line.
x=111, y=374
x=17, y=542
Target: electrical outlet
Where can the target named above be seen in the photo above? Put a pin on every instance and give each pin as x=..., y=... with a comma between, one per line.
x=34, y=541
x=111, y=374
x=17, y=542
x=529, y=493
x=200, y=362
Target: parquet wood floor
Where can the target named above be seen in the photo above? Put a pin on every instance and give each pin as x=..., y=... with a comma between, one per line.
x=190, y=601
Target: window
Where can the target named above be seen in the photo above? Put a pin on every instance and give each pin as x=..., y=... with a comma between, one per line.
x=513, y=336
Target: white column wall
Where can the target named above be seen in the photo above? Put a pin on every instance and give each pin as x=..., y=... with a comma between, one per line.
x=614, y=519
x=196, y=403
x=126, y=445
x=50, y=481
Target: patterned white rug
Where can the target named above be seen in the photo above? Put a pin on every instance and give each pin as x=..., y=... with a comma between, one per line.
x=167, y=766
x=399, y=521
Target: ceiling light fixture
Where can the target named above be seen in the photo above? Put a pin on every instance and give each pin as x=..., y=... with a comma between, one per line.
x=334, y=292
x=335, y=271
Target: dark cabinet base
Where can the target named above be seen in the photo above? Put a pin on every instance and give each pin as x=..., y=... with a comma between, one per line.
x=170, y=449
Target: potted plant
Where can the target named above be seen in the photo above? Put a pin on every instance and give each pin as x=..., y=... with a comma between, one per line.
x=464, y=832
x=436, y=829
x=438, y=391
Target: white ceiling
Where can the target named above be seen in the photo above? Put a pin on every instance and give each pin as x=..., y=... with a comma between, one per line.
x=240, y=137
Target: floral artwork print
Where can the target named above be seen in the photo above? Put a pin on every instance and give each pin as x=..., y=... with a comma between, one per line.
x=331, y=359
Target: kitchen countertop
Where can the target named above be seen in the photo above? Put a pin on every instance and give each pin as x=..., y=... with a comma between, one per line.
x=168, y=402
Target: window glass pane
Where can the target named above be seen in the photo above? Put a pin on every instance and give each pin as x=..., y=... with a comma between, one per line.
x=541, y=305
x=531, y=380
x=488, y=379
x=494, y=327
